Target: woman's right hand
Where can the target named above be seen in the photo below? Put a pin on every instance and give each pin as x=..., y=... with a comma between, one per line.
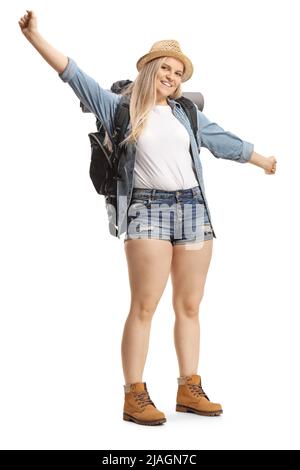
x=28, y=23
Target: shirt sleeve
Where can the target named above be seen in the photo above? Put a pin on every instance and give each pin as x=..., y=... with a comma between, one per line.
x=103, y=103
x=221, y=143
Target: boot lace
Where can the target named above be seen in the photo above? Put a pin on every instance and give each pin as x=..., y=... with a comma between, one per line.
x=197, y=390
x=143, y=399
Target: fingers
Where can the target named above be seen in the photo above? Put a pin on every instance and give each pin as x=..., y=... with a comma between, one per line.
x=25, y=19
x=273, y=160
x=273, y=169
x=29, y=14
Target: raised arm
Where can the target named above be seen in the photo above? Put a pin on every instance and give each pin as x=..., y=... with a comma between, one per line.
x=103, y=103
x=28, y=25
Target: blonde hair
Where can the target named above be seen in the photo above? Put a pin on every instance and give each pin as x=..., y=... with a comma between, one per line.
x=142, y=93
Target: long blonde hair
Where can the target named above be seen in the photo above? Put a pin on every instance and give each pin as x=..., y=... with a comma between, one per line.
x=142, y=93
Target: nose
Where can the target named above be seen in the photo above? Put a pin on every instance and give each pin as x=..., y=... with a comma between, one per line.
x=170, y=77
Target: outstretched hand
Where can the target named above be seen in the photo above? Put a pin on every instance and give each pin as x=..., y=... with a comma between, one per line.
x=28, y=23
x=270, y=165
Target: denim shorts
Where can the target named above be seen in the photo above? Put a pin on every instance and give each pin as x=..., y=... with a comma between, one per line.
x=176, y=216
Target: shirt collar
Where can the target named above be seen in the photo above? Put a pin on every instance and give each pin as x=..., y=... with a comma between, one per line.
x=173, y=103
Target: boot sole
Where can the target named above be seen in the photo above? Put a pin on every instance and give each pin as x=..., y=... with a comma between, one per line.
x=187, y=409
x=127, y=417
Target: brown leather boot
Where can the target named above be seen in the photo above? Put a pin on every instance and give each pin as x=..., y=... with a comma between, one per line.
x=192, y=399
x=139, y=408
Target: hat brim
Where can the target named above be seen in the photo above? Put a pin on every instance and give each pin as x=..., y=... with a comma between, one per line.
x=188, y=66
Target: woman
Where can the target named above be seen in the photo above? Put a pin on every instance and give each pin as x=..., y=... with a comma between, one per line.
x=163, y=203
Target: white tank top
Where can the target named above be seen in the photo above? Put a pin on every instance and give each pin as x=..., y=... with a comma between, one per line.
x=163, y=160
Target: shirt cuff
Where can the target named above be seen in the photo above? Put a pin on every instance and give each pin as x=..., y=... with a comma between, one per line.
x=247, y=151
x=69, y=71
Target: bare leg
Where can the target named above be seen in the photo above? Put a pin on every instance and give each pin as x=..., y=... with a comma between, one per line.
x=188, y=273
x=149, y=263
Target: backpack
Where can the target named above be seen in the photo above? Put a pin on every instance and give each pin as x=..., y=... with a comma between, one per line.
x=104, y=164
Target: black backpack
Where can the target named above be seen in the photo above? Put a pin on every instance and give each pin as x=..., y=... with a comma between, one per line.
x=104, y=164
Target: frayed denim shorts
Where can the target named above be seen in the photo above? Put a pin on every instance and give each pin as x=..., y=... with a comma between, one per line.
x=177, y=216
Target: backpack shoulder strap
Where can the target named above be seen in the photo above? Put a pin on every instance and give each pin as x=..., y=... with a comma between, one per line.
x=191, y=112
x=121, y=120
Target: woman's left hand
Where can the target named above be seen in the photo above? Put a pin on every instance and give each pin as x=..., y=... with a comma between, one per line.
x=270, y=165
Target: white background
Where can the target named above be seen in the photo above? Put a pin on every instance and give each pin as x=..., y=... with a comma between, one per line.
x=64, y=283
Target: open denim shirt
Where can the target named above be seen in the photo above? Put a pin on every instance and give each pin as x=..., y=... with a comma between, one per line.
x=103, y=104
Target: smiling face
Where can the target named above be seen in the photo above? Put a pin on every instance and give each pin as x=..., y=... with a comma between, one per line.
x=168, y=79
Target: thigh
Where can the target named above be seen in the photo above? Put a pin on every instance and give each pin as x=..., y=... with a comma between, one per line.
x=189, y=269
x=149, y=263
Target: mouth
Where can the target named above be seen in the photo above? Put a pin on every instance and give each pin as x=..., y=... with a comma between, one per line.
x=166, y=84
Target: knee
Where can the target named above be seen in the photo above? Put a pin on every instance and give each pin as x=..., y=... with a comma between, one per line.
x=188, y=308
x=143, y=311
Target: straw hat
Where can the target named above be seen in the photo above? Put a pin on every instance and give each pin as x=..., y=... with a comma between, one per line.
x=167, y=48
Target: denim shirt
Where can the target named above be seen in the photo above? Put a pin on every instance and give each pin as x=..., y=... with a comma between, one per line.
x=103, y=104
